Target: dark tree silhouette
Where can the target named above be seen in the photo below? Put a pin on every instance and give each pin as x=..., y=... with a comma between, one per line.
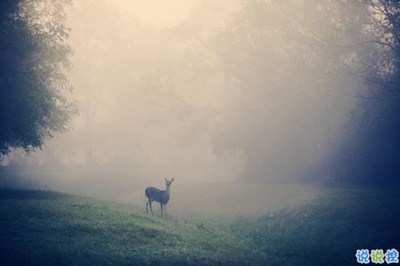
x=368, y=152
x=33, y=57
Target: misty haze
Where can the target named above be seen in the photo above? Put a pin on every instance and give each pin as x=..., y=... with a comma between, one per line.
x=269, y=116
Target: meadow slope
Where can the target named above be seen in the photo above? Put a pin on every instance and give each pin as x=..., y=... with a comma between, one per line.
x=49, y=228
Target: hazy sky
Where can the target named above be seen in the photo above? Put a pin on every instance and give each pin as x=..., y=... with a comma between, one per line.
x=158, y=12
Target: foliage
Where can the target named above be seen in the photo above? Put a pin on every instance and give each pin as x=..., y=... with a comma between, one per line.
x=368, y=151
x=316, y=89
x=34, y=56
x=288, y=67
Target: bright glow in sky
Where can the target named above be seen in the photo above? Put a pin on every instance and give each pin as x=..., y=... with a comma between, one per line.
x=161, y=13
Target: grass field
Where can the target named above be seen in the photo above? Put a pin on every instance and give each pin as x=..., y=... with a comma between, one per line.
x=49, y=228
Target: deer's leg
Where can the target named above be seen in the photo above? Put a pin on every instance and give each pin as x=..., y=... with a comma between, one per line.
x=162, y=208
x=165, y=210
x=148, y=203
x=150, y=207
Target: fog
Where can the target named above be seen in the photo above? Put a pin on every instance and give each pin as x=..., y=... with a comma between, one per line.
x=229, y=98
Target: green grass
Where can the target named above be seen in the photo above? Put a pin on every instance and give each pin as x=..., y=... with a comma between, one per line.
x=48, y=228
x=327, y=231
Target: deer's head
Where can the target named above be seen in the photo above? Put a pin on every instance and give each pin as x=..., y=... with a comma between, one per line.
x=169, y=182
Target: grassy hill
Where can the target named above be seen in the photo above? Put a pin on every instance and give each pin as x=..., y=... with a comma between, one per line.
x=49, y=228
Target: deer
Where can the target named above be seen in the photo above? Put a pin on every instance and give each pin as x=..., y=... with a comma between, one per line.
x=161, y=196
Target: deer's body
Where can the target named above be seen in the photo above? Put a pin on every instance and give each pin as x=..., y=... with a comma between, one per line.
x=161, y=196
x=157, y=195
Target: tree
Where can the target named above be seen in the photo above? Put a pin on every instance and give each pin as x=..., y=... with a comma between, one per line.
x=315, y=87
x=287, y=83
x=34, y=56
x=368, y=150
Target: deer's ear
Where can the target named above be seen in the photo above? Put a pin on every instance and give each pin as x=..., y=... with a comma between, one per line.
x=165, y=180
x=172, y=179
